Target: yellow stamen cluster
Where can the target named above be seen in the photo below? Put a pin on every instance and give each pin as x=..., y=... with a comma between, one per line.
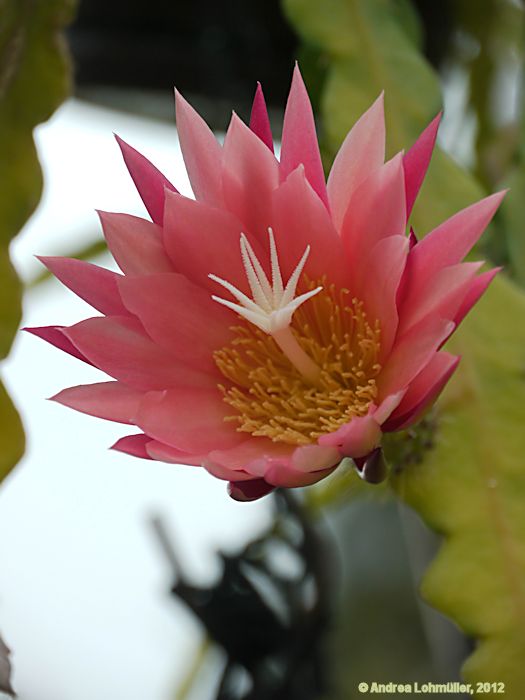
x=268, y=395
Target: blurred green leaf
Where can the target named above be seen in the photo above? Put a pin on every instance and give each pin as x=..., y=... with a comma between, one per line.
x=489, y=45
x=34, y=79
x=370, y=47
x=513, y=214
x=5, y=669
x=513, y=211
x=471, y=488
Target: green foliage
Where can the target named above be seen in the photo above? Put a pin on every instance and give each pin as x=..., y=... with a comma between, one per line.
x=370, y=46
x=34, y=79
x=513, y=211
x=471, y=488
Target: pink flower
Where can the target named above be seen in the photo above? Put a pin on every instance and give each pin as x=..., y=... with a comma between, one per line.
x=277, y=323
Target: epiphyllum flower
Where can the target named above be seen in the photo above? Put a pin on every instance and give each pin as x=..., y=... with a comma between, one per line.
x=277, y=323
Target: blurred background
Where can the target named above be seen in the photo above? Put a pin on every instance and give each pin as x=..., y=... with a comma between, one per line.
x=85, y=601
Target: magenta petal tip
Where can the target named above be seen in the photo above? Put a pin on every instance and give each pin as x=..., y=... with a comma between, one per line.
x=251, y=490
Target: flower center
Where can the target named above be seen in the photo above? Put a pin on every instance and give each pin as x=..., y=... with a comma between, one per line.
x=269, y=396
x=296, y=371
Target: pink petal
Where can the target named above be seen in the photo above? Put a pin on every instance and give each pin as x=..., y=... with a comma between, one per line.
x=134, y=445
x=191, y=420
x=312, y=458
x=250, y=175
x=442, y=295
x=279, y=464
x=201, y=151
x=259, y=120
x=164, y=453
x=376, y=211
x=191, y=227
x=252, y=490
x=109, y=400
x=387, y=406
x=299, y=140
x=423, y=391
x=225, y=473
x=301, y=219
x=362, y=152
x=356, y=438
x=179, y=316
x=411, y=352
x=150, y=182
x=417, y=160
x=282, y=475
x=55, y=336
x=251, y=451
x=120, y=347
x=136, y=244
x=449, y=243
x=93, y=284
x=377, y=282
x=476, y=290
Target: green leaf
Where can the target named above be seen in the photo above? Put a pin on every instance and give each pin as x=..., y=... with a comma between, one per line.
x=513, y=215
x=5, y=669
x=513, y=211
x=471, y=488
x=370, y=47
x=34, y=79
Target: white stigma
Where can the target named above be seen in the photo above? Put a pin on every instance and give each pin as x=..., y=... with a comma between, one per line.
x=273, y=305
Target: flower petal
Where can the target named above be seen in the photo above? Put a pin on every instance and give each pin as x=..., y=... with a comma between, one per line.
x=192, y=227
x=362, y=152
x=376, y=210
x=423, y=391
x=164, y=453
x=136, y=244
x=442, y=295
x=250, y=174
x=357, y=438
x=119, y=346
x=55, y=336
x=299, y=139
x=301, y=219
x=179, y=316
x=252, y=490
x=411, y=353
x=283, y=475
x=449, y=243
x=201, y=151
x=279, y=464
x=259, y=120
x=109, y=400
x=93, y=284
x=250, y=451
x=134, y=445
x=417, y=160
x=476, y=290
x=188, y=419
x=149, y=181
x=387, y=406
x=377, y=282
